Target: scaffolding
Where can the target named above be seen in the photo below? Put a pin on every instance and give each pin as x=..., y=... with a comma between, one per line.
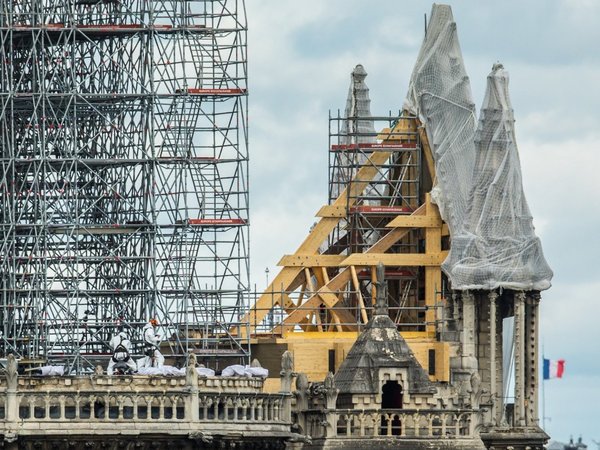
x=123, y=184
x=379, y=210
x=394, y=190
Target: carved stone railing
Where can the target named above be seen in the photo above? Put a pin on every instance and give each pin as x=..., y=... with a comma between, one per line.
x=263, y=408
x=175, y=406
x=149, y=405
x=57, y=406
x=401, y=423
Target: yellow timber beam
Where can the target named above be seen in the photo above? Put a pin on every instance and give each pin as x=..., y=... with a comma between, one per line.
x=313, y=241
x=396, y=259
x=297, y=260
x=345, y=275
x=427, y=221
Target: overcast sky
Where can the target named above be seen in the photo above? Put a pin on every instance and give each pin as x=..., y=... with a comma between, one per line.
x=301, y=54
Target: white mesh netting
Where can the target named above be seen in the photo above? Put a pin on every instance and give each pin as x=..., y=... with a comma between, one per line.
x=356, y=129
x=440, y=94
x=478, y=188
x=497, y=247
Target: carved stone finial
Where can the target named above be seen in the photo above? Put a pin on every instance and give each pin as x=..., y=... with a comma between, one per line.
x=12, y=372
x=359, y=73
x=301, y=382
x=381, y=302
x=328, y=382
x=287, y=371
x=331, y=392
x=255, y=363
x=287, y=362
x=191, y=375
x=98, y=371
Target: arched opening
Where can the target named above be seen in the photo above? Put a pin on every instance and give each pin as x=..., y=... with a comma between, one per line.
x=391, y=399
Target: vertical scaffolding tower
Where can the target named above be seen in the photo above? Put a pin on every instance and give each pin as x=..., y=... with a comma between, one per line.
x=123, y=176
x=395, y=189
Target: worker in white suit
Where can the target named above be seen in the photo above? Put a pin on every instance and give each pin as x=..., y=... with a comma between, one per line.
x=154, y=357
x=121, y=359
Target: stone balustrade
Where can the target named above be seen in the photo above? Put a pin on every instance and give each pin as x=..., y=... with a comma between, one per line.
x=191, y=411
x=401, y=423
x=139, y=398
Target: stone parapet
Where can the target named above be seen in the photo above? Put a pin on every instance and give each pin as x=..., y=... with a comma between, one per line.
x=143, y=406
x=400, y=423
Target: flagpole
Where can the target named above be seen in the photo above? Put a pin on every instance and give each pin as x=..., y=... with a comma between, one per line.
x=543, y=392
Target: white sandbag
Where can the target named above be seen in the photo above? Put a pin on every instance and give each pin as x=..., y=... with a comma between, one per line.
x=258, y=371
x=52, y=371
x=237, y=370
x=164, y=370
x=205, y=372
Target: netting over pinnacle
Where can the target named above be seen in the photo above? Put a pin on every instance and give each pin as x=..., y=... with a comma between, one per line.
x=123, y=188
x=497, y=247
x=478, y=187
x=357, y=128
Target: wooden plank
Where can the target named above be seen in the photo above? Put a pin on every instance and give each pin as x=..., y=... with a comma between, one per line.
x=411, y=221
x=445, y=230
x=299, y=260
x=301, y=296
x=433, y=275
x=427, y=152
x=334, y=315
x=332, y=211
x=361, y=302
x=395, y=259
x=388, y=240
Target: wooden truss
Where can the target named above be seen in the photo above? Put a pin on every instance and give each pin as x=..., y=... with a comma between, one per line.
x=319, y=290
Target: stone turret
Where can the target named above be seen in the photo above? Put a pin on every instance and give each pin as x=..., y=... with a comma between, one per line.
x=380, y=354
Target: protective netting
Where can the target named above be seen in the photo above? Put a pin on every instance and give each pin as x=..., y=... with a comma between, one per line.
x=439, y=93
x=478, y=187
x=497, y=247
x=356, y=129
x=358, y=110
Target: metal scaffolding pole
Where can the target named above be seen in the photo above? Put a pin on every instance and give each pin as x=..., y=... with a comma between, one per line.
x=123, y=177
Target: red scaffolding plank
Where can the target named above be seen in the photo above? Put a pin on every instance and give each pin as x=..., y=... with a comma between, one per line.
x=211, y=91
x=366, y=209
x=374, y=146
x=95, y=27
x=216, y=222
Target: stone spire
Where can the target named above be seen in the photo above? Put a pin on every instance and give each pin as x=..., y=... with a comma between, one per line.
x=381, y=306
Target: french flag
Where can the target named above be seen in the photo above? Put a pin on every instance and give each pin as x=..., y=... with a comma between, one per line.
x=553, y=368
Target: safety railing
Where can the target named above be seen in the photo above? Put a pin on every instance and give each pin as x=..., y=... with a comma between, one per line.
x=276, y=321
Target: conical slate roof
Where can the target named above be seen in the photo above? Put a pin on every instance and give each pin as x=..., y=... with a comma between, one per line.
x=380, y=345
